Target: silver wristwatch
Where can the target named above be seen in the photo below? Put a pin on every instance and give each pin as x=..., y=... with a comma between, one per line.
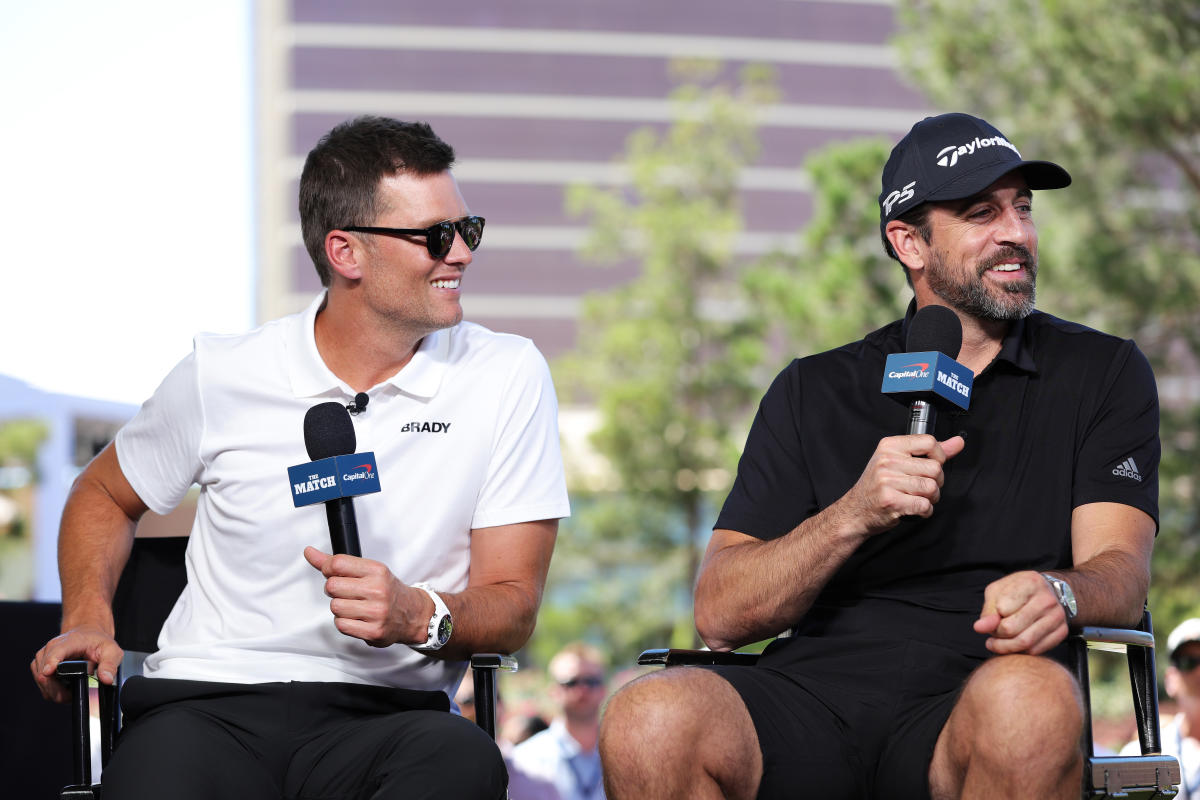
x=1062, y=591
x=441, y=625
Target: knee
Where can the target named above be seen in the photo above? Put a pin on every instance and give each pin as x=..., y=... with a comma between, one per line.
x=649, y=714
x=469, y=764
x=1025, y=706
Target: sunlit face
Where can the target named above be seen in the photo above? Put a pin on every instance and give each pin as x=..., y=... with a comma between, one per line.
x=982, y=257
x=1183, y=684
x=580, y=686
x=401, y=281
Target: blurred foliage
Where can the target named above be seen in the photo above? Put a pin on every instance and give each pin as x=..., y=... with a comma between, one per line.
x=844, y=285
x=669, y=362
x=1109, y=89
x=20, y=440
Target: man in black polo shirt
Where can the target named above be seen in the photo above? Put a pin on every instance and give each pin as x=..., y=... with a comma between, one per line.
x=929, y=579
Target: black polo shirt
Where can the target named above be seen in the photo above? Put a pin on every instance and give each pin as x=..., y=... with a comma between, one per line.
x=1064, y=416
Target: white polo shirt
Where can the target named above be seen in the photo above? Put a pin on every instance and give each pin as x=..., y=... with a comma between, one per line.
x=465, y=436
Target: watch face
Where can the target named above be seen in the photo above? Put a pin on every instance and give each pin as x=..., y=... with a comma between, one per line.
x=1066, y=596
x=445, y=628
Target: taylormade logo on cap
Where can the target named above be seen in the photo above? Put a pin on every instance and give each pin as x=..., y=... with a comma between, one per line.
x=924, y=167
x=948, y=156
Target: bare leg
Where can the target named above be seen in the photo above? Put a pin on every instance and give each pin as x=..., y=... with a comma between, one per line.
x=679, y=733
x=1014, y=732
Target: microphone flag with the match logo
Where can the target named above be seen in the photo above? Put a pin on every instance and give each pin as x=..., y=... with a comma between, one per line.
x=330, y=478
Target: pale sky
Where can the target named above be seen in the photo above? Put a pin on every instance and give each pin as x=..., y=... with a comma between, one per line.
x=125, y=188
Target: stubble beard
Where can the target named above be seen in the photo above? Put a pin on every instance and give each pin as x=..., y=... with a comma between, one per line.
x=971, y=295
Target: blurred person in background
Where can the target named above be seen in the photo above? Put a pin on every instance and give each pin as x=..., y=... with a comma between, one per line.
x=519, y=726
x=566, y=752
x=1181, y=736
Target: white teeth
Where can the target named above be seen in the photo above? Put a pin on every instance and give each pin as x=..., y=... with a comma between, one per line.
x=446, y=284
x=1007, y=267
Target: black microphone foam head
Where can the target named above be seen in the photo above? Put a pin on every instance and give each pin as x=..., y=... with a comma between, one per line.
x=935, y=328
x=328, y=431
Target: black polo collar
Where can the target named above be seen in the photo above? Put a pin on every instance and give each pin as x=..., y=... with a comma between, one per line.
x=1016, y=349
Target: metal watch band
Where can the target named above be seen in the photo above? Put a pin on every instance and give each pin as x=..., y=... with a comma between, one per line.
x=1064, y=594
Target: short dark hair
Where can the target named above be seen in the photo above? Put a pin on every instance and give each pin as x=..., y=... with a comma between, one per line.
x=340, y=182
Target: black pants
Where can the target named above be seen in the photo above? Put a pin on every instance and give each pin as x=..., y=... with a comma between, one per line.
x=316, y=741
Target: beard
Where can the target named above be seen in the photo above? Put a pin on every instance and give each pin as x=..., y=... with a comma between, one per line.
x=1011, y=300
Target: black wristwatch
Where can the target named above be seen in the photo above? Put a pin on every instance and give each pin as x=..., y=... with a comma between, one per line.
x=1064, y=595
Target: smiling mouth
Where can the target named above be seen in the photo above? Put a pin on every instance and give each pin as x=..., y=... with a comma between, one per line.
x=446, y=284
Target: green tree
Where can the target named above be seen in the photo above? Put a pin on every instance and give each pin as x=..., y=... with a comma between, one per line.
x=668, y=361
x=837, y=284
x=1109, y=89
x=20, y=440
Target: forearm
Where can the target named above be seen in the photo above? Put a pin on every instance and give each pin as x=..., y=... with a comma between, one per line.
x=1110, y=588
x=497, y=618
x=94, y=540
x=753, y=590
x=93, y=546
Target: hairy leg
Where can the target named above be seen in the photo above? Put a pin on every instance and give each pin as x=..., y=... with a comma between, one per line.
x=679, y=733
x=1014, y=732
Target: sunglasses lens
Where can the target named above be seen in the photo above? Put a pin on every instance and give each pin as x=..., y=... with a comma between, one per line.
x=471, y=229
x=440, y=239
x=1187, y=664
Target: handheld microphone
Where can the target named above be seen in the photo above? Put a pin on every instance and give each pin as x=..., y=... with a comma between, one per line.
x=926, y=377
x=336, y=473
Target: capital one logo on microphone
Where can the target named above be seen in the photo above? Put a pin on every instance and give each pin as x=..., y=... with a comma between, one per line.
x=330, y=478
x=918, y=370
x=927, y=375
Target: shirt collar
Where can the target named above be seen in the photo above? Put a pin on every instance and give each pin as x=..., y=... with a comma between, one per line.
x=1015, y=348
x=310, y=377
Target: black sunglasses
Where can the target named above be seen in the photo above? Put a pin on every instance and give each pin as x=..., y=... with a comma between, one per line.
x=439, y=237
x=1186, y=663
x=589, y=681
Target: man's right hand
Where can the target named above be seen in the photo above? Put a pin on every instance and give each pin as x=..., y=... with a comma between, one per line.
x=98, y=647
x=903, y=478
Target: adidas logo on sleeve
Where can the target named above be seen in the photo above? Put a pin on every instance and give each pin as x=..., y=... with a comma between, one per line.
x=1127, y=469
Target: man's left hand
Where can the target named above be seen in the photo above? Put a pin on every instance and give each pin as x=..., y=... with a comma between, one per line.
x=369, y=603
x=1021, y=615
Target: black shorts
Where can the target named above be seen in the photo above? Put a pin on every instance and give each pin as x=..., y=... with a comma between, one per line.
x=850, y=718
x=281, y=741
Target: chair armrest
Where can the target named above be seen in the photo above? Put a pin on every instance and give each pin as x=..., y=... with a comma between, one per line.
x=484, y=667
x=1138, y=646
x=75, y=674
x=689, y=658
x=1101, y=638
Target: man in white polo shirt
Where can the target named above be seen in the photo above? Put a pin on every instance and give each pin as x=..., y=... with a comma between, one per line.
x=283, y=670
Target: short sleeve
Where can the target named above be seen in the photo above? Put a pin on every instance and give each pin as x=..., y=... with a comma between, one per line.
x=158, y=449
x=525, y=479
x=772, y=492
x=1119, y=453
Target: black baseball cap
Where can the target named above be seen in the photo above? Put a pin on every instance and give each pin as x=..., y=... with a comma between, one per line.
x=950, y=157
